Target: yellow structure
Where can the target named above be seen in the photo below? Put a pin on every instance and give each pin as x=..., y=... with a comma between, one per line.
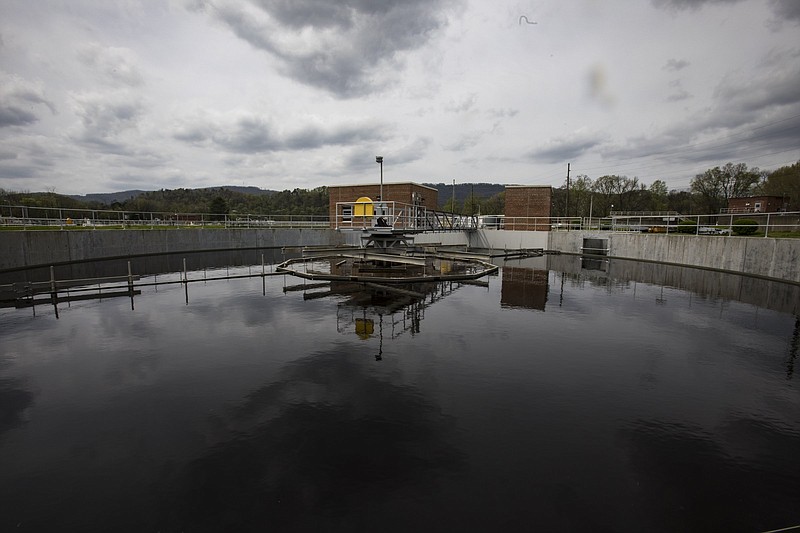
x=365, y=327
x=363, y=207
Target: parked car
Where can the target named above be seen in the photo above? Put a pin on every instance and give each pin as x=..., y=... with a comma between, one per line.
x=711, y=230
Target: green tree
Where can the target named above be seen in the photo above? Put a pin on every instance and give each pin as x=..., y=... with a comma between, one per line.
x=784, y=182
x=496, y=205
x=451, y=206
x=659, y=196
x=681, y=202
x=218, y=208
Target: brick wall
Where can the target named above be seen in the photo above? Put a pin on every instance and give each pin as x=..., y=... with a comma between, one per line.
x=525, y=202
x=769, y=204
x=392, y=192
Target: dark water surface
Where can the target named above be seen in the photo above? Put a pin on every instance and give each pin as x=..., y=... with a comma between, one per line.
x=557, y=398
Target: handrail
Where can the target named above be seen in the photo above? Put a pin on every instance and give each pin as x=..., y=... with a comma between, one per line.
x=27, y=217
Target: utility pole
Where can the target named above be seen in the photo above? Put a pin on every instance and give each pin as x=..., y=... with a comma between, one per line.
x=567, y=210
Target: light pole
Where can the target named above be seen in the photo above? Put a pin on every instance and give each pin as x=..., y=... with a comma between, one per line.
x=379, y=160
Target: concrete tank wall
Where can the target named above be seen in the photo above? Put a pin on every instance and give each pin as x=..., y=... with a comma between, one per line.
x=32, y=248
x=760, y=256
x=508, y=240
x=773, y=258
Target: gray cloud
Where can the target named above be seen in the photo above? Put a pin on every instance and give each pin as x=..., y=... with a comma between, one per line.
x=17, y=100
x=678, y=5
x=14, y=116
x=464, y=142
x=347, y=48
x=678, y=92
x=567, y=148
x=105, y=117
x=115, y=66
x=754, y=94
x=752, y=114
x=786, y=10
x=464, y=104
x=676, y=64
x=253, y=134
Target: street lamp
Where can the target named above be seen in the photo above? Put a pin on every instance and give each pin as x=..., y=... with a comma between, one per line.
x=379, y=160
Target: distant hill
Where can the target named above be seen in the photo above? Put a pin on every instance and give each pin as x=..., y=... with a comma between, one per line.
x=109, y=198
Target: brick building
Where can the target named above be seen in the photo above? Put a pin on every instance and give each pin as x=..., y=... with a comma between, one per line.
x=528, y=207
x=756, y=204
x=402, y=193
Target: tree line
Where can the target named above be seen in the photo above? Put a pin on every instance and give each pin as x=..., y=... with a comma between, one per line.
x=219, y=201
x=708, y=193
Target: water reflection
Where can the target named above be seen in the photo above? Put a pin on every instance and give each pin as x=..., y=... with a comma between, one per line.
x=525, y=281
x=15, y=400
x=525, y=288
x=691, y=478
x=326, y=446
x=371, y=310
x=793, y=349
x=553, y=397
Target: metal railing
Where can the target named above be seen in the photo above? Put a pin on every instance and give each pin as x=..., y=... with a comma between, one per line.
x=721, y=224
x=399, y=215
x=26, y=218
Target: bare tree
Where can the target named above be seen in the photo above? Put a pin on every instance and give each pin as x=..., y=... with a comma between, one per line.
x=716, y=185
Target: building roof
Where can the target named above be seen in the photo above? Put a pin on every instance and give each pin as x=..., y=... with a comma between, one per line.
x=385, y=184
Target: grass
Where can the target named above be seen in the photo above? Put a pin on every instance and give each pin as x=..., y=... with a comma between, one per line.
x=104, y=227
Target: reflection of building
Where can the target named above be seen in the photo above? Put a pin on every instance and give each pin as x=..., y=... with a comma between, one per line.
x=400, y=308
x=524, y=287
x=412, y=194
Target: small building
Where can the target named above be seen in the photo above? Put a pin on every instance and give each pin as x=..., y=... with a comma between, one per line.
x=528, y=207
x=401, y=194
x=756, y=204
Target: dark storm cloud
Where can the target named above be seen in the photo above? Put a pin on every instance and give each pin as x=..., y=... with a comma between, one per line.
x=347, y=47
x=567, y=148
x=787, y=10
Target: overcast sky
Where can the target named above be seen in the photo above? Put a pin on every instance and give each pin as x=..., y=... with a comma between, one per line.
x=110, y=95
